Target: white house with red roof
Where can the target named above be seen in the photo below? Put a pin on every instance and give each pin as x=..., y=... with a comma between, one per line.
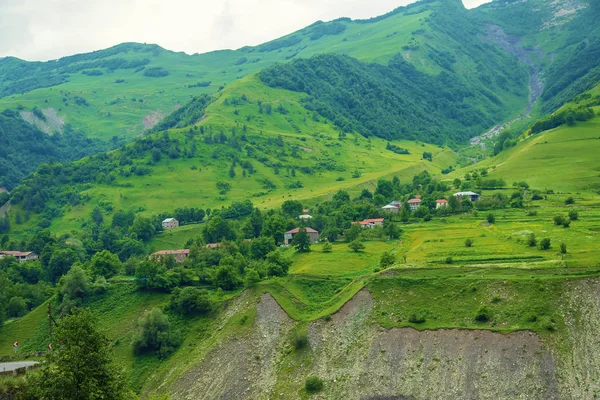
x=369, y=223
x=21, y=256
x=415, y=203
x=441, y=203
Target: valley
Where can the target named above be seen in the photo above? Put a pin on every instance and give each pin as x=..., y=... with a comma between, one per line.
x=403, y=207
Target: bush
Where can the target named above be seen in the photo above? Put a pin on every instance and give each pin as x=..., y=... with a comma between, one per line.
x=356, y=246
x=563, y=248
x=468, y=243
x=573, y=215
x=387, y=259
x=491, y=218
x=299, y=340
x=313, y=384
x=449, y=260
x=558, y=220
x=545, y=244
x=417, y=318
x=483, y=314
x=327, y=247
x=155, y=335
x=531, y=240
x=570, y=200
x=190, y=300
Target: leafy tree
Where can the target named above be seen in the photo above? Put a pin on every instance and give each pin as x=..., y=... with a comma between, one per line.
x=491, y=219
x=105, y=264
x=97, y=216
x=340, y=198
x=80, y=367
x=385, y=189
x=531, y=240
x=252, y=276
x=391, y=230
x=327, y=247
x=301, y=241
x=427, y=156
x=17, y=307
x=570, y=200
x=356, y=246
x=73, y=288
x=573, y=215
x=292, y=208
x=191, y=301
x=217, y=229
x=227, y=277
x=453, y=203
x=469, y=242
x=152, y=275
x=275, y=226
x=123, y=219
x=223, y=187
x=387, y=258
x=260, y=247
x=278, y=263
x=563, y=248
x=353, y=233
x=330, y=233
x=545, y=244
x=558, y=220
x=155, y=334
x=60, y=262
x=143, y=228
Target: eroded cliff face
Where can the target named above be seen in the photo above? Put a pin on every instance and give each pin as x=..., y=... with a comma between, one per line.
x=357, y=359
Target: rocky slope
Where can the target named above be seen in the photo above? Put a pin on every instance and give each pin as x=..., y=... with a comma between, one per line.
x=357, y=359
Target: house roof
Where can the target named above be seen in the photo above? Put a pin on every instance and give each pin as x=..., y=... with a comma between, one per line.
x=169, y=220
x=390, y=206
x=414, y=201
x=466, y=194
x=368, y=221
x=305, y=216
x=15, y=253
x=308, y=230
x=171, y=252
x=441, y=201
x=212, y=245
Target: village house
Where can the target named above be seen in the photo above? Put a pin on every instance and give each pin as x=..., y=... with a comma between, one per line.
x=467, y=195
x=289, y=235
x=393, y=207
x=415, y=203
x=170, y=223
x=369, y=223
x=178, y=255
x=441, y=203
x=21, y=256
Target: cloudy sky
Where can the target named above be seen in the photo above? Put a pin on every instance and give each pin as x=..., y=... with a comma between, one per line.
x=50, y=29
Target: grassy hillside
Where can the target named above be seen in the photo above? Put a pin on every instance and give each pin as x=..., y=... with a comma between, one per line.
x=292, y=155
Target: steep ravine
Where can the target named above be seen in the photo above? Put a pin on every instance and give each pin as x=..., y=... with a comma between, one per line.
x=357, y=359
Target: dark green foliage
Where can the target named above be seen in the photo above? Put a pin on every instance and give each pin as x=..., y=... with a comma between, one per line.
x=483, y=314
x=23, y=148
x=327, y=247
x=301, y=241
x=80, y=366
x=563, y=248
x=469, y=242
x=570, y=200
x=568, y=116
x=545, y=244
x=156, y=72
x=531, y=240
x=313, y=384
x=186, y=115
x=573, y=215
x=396, y=149
x=156, y=335
x=387, y=259
x=558, y=220
x=299, y=339
x=73, y=289
x=105, y=264
x=17, y=307
x=356, y=246
x=190, y=301
x=321, y=29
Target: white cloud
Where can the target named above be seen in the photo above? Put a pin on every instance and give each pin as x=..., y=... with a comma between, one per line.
x=49, y=29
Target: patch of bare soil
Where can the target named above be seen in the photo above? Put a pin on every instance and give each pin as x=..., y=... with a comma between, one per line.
x=152, y=119
x=51, y=125
x=240, y=367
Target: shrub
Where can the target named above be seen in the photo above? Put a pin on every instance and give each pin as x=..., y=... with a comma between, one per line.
x=299, y=340
x=491, y=219
x=387, y=259
x=313, y=384
x=417, y=318
x=190, y=301
x=468, y=243
x=531, y=240
x=483, y=314
x=545, y=244
x=356, y=246
x=327, y=247
x=563, y=248
x=449, y=260
x=570, y=200
x=558, y=220
x=155, y=335
x=573, y=215
x=566, y=223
